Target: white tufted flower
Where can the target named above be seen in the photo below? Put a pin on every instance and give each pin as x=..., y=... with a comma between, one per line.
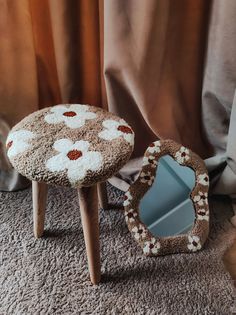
x=139, y=232
x=146, y=178
x=115, y=129
x=154, y=147
x=74, y=116
x=75, y=158
x=127, y=198
x=182, y=155
x=18, y=142
x=130, y=215
x=194, y=243
x=151, y=247
x=201, y=198
x=203, y=179
x=150, y=160
x=203, y=214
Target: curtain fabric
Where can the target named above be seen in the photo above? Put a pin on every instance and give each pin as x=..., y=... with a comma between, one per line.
x=49, y=53
x=153, y=63
x=219, y=98
x=143, y=60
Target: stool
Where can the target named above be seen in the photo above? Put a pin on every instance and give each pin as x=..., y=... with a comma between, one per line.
x=75, y=145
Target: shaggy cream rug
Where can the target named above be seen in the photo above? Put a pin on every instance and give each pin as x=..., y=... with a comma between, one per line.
x=49, y=276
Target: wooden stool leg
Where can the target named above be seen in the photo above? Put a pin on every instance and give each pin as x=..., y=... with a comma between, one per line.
x=102, y=195
x=89, y=218
x=39, y=192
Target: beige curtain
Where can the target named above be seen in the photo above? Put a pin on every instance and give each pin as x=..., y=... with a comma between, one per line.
x=219, y=97
x=140, y=59
x=154, y=53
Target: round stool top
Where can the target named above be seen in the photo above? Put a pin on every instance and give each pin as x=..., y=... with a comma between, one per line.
x=70, y=145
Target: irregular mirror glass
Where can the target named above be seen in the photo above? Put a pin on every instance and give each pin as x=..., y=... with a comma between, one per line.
x=166, y=208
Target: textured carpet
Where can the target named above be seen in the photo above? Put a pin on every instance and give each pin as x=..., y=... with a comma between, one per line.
x=49, y=276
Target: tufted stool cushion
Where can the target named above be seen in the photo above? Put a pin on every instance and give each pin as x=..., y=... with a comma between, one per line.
x=70, y=145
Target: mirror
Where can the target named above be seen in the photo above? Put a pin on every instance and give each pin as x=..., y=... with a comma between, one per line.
x=166, y=208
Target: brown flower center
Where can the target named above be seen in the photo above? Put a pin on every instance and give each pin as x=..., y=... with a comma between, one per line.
x=74, y=154
x=130, y=215
x=194, y=243
x=206, y=179
x=201, y=213
x=140, y=231
x=152, y=145
x=203, y=197
x=146, y=177
x=183, y=154
x=151, y=246
x=9, y=144
x=69, y=114
x=125, y=129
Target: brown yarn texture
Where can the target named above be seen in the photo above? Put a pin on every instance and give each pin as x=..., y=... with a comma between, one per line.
x=31, y=162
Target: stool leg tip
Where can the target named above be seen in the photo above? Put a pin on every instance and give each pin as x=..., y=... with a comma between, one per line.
x=95, y=280
x=38, y=234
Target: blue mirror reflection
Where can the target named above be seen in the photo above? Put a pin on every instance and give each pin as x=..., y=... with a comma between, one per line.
x=166, y=208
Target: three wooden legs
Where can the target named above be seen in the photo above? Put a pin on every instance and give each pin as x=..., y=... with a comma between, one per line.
x=88, y=197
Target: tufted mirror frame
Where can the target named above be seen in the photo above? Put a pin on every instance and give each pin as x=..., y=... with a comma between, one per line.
x=196, y=237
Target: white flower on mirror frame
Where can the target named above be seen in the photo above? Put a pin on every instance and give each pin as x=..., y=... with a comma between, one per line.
x=139, y=232
x=203, y=179
x=201, y=198
x=74, y=116
x=151, y=247
x=146, y=178
x=203, y=214
x=130, y=215
x=18, y=141
x=194, y=243
x=75, y=158
x=127, y=198
x=154, y=147
x=150, y=160
x=182, y=155
x=115, y=129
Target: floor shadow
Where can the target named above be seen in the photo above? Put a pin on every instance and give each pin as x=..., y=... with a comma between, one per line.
x=59, y=233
